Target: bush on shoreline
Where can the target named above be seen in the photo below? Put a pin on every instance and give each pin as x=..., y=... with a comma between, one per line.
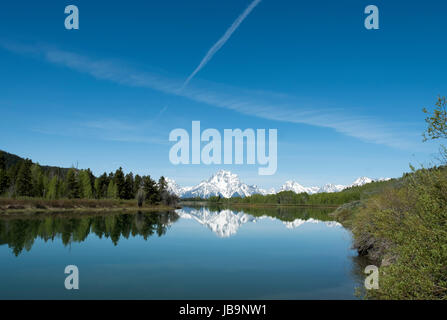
x=405, y=231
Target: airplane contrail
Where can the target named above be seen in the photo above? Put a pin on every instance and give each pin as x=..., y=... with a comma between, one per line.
x=211, y=52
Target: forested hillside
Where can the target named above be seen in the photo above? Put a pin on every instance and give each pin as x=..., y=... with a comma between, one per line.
x=22, y=178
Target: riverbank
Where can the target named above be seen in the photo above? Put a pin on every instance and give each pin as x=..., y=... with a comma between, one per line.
x=402, y=229
x=19, y=206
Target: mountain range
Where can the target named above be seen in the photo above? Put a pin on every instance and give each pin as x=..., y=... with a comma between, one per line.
x=227, y=184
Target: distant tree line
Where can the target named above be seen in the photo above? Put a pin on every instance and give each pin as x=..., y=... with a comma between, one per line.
x=304, y=199
x=27, y=179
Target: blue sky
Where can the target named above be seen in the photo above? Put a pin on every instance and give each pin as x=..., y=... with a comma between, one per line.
x=346, y=101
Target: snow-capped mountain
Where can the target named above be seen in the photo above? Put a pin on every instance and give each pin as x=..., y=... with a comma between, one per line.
x=174, y=188
x=297, y=188
x=331, y=188
x=365, y=180
x=227, y=185
x=223, y=183
x=361, y=181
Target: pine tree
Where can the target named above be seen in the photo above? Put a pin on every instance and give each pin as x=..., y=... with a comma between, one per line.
x=163, y=194
x=101, y=184
x=85, y=184
x=4, y=181
x=129, y=192
x=37, y=181
x=162, y=184
x=24, y=186
x=72, y=184
x=151, y=190
x=120, y=182
x=138, y=183
x=2, y=162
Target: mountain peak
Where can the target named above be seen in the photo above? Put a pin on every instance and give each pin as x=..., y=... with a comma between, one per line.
x=223, y=175
x=294, y=186
x=361, y=181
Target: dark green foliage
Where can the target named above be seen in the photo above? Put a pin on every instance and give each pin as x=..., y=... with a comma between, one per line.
x=24, y=179
x=120, y=183
x=4, y=180
x=20, y=177
x=138, y=183
x=101, y=185
x=73, y=188
x=162, y=184
x=2, y=162
x=151, y=190
x=129, y=192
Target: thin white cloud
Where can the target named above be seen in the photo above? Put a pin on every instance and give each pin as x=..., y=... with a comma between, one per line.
x=107, y=130
x=219, y=44
x=270, y=106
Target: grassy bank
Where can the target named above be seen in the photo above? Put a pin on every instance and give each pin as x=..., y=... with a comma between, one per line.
x=403, y=229
x=16, y=206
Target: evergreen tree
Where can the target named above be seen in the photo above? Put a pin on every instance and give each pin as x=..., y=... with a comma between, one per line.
x=101, y=185
x=162, y=184
x=24, y=179
x=85, y=183
x=151, y=190
x=4, y=180
x=2, y=162
x=72, y=184
x=129, y=192
x=138, y=183
x=120, y=183
x=37, y=181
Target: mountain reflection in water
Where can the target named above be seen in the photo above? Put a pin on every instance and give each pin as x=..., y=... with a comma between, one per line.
x=190, y=253
x=19, y=233
x=226, y=222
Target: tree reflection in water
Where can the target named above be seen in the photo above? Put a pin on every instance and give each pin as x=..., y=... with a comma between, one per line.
x=20, y=233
